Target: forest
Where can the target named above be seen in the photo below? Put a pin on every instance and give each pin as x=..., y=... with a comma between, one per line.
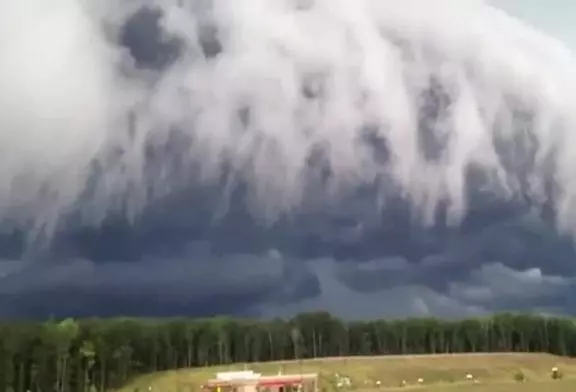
x=100, y=354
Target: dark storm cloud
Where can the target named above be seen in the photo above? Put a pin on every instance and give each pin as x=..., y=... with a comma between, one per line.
x=149, y=46
x=174, y=213
x=197, y=283
x=172, y=264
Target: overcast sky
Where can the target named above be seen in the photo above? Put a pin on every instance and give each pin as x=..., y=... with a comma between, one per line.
x=391, y=160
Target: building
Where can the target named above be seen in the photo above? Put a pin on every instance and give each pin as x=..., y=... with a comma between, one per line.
x=248, y=381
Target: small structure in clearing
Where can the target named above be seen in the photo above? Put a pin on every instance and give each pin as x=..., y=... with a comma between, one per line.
x=248, y=381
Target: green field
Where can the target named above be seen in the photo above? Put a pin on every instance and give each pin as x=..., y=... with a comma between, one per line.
x=494, y=373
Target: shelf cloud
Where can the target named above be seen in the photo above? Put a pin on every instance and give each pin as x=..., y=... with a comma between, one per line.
x=266, y=157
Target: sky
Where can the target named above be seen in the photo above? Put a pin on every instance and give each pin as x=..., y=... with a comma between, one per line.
x=368, y=158
x=552, y=17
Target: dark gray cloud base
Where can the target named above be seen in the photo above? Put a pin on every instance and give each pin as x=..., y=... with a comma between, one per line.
x=204, y=158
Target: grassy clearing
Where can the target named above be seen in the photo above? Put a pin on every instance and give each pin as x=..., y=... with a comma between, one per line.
x=534, y=386
x=495, y=373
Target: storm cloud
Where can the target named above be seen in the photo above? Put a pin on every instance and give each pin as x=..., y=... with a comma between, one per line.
x=265, y=157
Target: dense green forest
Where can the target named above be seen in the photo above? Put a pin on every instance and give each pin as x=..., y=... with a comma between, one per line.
x=98, y=354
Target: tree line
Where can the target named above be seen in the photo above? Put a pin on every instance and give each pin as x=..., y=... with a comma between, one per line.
x=101, y=354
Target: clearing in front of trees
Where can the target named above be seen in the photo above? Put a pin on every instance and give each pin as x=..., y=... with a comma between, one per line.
x=497, y=372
